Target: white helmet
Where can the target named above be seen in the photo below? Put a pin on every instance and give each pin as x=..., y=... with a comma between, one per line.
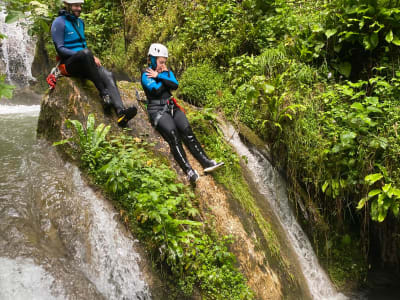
x=158, y=50
x=74, y=1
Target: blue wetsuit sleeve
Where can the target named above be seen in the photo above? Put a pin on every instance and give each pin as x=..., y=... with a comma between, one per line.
x=168, y=79
x=57, y=33
x=151, y=85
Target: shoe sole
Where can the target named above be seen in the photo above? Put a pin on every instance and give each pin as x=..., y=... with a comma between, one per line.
x=123, y=120
x=213, y=168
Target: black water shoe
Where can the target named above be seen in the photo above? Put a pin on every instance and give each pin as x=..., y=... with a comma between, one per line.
x=213, y=167
x=125, y=115
x=192, y=176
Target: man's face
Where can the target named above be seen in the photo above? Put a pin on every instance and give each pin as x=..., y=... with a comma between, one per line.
x=76, y=9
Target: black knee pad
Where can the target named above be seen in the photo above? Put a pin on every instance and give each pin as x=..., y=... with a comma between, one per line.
x=188, y=133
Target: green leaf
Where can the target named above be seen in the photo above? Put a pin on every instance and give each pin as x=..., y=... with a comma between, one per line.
x=372, y=178
x=374, y=40
x=62, y=142
x=347, y=137
x=13, y=16
x=357, y=105
x=324, y=186
x=395, y=209
x=268, y=89
x=396, y=41
x=386, y=187
x=373, y=193
x=345, y=68
x=361, y=203
x=389, y=36
x=330, y=32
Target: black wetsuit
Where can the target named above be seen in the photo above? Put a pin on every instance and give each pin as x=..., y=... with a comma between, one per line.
x=69, y=39
x=170, y=120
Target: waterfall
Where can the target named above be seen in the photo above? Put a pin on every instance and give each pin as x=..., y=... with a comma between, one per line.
x=273, y=187
x=17, y=52
x=59, y=239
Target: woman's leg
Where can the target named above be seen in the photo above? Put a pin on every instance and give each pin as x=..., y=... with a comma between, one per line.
x=191, y=141
x=166, y=126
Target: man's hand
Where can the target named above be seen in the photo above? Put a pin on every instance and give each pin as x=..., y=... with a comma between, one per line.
x=97, y=61
x=150, y=73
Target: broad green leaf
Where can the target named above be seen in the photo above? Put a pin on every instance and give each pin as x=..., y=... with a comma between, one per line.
x=396, y=192
x=396, y=41
x=374, y=109
x=348, y=137
x=345, y=68
x=395, y=208
x=374, y=40
x=373, y=193
x=361, y=203
x=324, y=186
x=268, y=89
x=357, y=105
x=330, y=32
x=372, y=178
x=386, y=188
x=389, y=36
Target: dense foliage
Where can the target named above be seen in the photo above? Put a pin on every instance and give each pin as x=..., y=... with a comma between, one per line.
x=318, y=80
x=160, y=210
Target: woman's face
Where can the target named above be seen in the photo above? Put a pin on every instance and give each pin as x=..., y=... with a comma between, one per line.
x=161, y=64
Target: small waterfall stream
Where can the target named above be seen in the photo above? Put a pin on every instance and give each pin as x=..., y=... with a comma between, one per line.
x=16, y=52
x=273, y=188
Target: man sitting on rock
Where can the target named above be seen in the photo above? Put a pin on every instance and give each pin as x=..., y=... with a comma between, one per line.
x=68, y=33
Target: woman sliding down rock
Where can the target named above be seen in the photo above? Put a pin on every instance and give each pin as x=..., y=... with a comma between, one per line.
x=166, y=115
x=75, y=59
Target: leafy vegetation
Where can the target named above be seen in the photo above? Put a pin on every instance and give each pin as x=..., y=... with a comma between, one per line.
x=317, y=80
x=160, y=210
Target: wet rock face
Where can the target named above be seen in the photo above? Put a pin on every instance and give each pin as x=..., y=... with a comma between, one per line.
x=76, y=99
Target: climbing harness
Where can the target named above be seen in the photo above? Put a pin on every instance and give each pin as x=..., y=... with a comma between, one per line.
x=58, y=71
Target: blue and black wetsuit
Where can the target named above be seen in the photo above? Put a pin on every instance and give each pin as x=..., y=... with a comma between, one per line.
x=170, y=120
x=68, y=33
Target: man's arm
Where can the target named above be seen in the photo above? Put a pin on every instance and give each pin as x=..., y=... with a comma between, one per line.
x=57, y=33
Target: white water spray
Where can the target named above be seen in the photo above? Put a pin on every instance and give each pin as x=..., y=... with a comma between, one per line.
x=113, y=265
x=21, y=278
x=273, y=188
x=32, y=110
x=17, y=52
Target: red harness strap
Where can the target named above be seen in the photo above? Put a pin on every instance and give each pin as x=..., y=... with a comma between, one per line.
x=176, y=103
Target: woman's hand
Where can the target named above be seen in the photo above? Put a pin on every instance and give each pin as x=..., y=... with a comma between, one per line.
x=150, y=73
x=162, y=68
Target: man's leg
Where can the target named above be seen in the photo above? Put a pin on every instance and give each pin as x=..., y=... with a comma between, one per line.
x=110, y=84
x=124, y=114
x=82, y=65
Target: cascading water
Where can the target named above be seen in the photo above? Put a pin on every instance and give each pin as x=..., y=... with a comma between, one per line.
x=58, y=238
x=16, y=52
x=54, y=226
x=273, y=188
